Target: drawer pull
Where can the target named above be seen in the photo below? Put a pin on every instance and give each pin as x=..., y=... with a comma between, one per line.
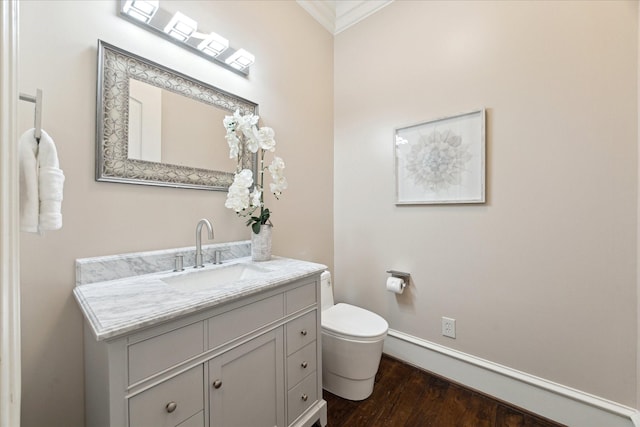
x=304, y=365
x=303, y=332
x=304, y=397
x=217, y=384
x=171, y=406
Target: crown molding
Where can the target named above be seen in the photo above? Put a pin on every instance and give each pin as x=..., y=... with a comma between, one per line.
x=323, y=11
x=338, y=15
x=351, y=12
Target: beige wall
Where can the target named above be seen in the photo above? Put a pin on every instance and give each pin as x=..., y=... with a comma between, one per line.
x=542, y=278
x=292, y=83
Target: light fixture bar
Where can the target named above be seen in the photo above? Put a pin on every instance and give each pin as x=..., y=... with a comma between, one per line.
x=240, y=59
x=214, y=44
x=181, y=26
x=182, y=30
x=142, y=10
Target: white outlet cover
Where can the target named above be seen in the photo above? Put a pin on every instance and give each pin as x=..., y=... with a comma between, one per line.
x=449, y=327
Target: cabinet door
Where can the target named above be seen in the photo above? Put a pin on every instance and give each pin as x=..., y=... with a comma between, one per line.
x=247, y=384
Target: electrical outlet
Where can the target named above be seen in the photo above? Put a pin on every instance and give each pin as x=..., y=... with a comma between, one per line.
x=449, y=327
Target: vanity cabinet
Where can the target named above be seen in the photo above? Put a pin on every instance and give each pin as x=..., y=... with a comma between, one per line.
x=253, y=361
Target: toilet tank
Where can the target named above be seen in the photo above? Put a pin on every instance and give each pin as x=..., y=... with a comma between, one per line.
x=326, y=290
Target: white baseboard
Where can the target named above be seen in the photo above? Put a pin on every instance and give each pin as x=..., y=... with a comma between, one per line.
x=551, y=400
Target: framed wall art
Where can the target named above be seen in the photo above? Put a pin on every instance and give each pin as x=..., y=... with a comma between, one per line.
x=441, y=161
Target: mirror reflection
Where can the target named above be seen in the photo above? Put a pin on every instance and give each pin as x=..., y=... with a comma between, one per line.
x=169, y=128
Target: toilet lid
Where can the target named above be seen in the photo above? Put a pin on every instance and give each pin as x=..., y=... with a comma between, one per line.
x=346, y=319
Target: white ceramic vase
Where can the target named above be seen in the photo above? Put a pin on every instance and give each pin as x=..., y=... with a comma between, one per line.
x=261, y=244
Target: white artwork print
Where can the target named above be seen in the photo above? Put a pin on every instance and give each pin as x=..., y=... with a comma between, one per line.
x=441, y=161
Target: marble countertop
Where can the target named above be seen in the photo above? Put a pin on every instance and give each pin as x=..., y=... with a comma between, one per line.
x=117, y=307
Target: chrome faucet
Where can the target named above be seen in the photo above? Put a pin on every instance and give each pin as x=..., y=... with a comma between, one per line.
x=199, y=262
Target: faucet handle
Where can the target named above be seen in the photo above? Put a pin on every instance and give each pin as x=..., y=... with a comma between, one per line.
x=217, y=255
x=179, y=266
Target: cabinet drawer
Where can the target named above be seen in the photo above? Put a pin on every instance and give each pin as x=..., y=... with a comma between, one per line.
x=300, y=297
x=243, y=320
x=170, y=403
x=301, y=397
x=163, y=351
x=300, y=364
x=300, y=332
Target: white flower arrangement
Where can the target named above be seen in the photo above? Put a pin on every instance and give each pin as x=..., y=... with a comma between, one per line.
x=243, y=134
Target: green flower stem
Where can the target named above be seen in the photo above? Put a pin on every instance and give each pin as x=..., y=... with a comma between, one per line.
x=257, y=221
x=261, y=184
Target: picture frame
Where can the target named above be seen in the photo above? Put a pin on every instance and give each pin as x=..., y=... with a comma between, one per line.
x=441, y=161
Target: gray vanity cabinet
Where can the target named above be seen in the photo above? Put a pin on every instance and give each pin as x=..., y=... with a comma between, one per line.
x=253, y=361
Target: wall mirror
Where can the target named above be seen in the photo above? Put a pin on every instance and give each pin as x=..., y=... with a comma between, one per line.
x=155, y=126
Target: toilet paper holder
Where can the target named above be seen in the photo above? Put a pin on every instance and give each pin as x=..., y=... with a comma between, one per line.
x=400, y=274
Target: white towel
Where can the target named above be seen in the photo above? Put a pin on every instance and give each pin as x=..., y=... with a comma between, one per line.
x=41, y=184
x=29, y=202
x=50, y=183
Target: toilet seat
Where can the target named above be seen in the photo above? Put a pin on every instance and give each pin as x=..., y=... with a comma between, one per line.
x=349, y=321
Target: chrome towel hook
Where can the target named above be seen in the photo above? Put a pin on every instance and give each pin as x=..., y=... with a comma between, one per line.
x=37, y=120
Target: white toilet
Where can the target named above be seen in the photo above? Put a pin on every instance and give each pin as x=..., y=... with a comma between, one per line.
x=352, y=340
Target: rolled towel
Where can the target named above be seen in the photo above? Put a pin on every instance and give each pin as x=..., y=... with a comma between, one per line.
x=29, y=202
x=51, y=183
x=47, y=153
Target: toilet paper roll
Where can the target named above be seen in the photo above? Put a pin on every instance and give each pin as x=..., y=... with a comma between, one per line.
x=395, y=285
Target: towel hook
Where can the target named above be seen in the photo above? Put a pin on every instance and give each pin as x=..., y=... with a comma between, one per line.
x=37, y=119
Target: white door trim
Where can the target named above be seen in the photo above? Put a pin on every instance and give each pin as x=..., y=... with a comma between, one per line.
x=10, y=386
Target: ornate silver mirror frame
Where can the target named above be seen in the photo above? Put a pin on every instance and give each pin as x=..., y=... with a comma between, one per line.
x=115, y=68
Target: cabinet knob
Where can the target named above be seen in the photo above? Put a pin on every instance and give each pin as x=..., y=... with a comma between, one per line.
x=304, y=397
x=171, y=406
x=217, y=384
x=303, y=332
x=304, y=365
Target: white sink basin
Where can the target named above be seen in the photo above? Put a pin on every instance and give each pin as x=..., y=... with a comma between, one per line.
x=216, y=278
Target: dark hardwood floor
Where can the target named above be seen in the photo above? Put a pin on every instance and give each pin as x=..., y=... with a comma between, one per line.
x=405, y=396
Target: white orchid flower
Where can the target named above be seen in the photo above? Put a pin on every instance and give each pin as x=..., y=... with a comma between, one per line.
x=238, y=196
x=234, y=145
x=276, y=167
x=256, y=196
x=243, y=136
x=244, y=178
x=278, y=186
x=266, y=139
x=230, y=123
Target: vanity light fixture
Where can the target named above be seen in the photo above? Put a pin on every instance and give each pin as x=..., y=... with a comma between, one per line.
x=181, y=26
x=214, y=44
x=240, y=59
x=180, y=29
x=142, y=10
